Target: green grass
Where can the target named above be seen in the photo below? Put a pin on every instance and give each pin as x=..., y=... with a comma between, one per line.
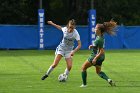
x=21, y=72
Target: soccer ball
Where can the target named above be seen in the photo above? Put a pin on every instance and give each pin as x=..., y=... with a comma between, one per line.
x=62, y=78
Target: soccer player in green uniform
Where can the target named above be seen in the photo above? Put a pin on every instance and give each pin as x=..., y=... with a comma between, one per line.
x=98, y=54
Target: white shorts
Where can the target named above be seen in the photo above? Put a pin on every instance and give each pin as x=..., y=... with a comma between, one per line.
x=64, y=53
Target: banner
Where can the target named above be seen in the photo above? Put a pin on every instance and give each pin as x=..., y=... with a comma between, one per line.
x=92, y=24
x=41, y=18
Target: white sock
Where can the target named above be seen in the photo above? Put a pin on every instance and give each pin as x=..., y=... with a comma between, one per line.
x=109, y=80
x=66, y=72
x=49, y=70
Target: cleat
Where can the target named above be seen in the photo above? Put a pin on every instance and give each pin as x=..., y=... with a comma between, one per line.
x=83, y=86
x=44, y=77
x=111, y=82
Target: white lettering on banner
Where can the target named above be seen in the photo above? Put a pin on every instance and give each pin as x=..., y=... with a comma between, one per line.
x=41, y=45
x=93, y=23
x=41, y=30
x=93, y=17
x=41, y=40
x=93, y=43
x=93, y=36
x=41, y=20
x=41, y=35
x=41, y=24
x=93, y=29
x=41, y=14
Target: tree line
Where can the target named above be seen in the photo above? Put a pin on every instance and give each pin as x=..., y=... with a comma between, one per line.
x=25, y=12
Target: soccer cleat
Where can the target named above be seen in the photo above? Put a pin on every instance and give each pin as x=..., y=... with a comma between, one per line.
x=83, y=86
x=111, y=82
x=44, y=77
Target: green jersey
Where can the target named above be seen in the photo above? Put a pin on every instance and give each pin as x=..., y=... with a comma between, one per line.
x=98, y=44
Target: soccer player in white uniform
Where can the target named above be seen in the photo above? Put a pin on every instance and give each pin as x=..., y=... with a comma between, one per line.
x=65, y=48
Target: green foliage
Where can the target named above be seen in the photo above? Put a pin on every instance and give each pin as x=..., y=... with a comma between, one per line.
x=18, y=12
x=123, y=11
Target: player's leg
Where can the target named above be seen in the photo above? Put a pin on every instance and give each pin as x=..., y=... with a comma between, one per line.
x=68, y=59
x=84, y=73
x=87, y=64
x=55, y=63
x=98, y=68
x=69, y=65
x=103, y=75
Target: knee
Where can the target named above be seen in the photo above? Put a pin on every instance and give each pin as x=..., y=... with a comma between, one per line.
x=83, y=68
x=69, y=67
x=97, y=72
x=54, y=65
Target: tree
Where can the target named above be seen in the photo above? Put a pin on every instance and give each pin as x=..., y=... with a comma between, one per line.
x=123, y=11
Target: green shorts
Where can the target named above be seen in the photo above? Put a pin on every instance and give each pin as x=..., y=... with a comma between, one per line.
x=99, y=60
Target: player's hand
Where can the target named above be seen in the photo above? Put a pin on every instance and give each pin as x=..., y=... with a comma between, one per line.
x=94, y=61
x=72, y=53
x=90, y=47
x=50, y=22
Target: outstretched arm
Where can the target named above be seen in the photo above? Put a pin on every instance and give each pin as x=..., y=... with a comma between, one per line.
x=90, y=46
x=55, y=25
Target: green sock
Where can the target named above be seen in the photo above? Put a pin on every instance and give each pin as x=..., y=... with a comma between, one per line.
x=84, y=77
x=103, y=75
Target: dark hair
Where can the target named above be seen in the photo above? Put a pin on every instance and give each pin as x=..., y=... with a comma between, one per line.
x=108, y=27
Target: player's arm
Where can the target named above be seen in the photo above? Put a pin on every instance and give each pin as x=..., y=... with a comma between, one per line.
x=55, y=25
x=90, y=47
x=101, y=51
x=77, y=48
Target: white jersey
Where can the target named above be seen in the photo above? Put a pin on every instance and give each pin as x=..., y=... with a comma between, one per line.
x=67, y=42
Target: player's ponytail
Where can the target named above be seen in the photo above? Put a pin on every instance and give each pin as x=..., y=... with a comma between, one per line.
x=109, y=27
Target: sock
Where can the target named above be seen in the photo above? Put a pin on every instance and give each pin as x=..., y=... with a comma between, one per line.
x=49, y=70
x=84, y=77
x=103, y=75
x=66, y=72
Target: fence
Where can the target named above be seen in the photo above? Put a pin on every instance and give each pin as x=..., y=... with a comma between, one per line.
x=27, y=37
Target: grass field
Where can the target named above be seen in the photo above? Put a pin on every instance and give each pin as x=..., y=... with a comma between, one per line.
x=21, y=72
